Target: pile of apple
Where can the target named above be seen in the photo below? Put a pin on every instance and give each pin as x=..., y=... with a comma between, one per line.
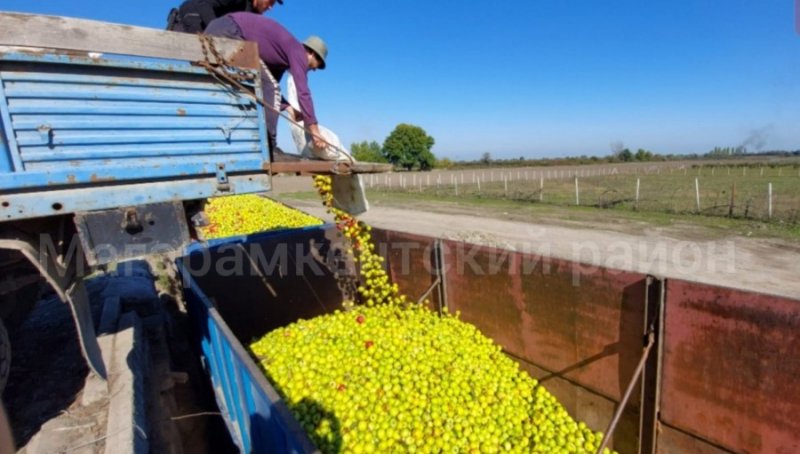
x=250, y=213
x=392, y=376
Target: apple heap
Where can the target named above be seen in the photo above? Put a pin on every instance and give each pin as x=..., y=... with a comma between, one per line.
x=391, y=376
x=250, y=213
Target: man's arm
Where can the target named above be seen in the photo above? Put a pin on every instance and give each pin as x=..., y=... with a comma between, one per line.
x=298, y=68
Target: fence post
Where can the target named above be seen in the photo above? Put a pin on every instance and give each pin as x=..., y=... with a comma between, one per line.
x=769, y=206
x=697, y=192
x=636, y=205
x=762, y=171
x=577, y=192
x=479, y=185
x=541, y=188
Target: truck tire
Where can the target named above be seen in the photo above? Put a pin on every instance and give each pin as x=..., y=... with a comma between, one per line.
x=5, y=356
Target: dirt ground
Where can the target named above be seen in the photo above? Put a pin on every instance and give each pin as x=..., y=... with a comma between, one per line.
x=680, y=251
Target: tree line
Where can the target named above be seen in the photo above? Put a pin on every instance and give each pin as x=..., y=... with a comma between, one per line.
x=409, y=147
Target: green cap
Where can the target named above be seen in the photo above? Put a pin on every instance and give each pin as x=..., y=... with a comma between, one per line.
x=316, y=44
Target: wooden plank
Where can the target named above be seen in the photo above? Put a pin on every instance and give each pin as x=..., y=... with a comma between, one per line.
x=72, y=34
x=328, y=167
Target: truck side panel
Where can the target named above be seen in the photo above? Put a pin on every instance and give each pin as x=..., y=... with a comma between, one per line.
x=121, y=121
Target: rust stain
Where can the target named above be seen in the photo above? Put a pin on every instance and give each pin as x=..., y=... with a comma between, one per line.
x=96, y=179
x=731, y=361
x=71, y=179
x=181, y=112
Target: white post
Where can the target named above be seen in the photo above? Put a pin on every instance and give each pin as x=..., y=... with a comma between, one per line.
x=541, y=188
x=769, y=205
x=637, y=195
x=697, y=192
x=577, y=192
x=744, y=171
x=762, y=171
x=479, y=185
x=462, y=177
x=712, y=171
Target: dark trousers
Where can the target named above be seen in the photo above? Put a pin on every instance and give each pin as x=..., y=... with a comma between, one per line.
x=226, y=27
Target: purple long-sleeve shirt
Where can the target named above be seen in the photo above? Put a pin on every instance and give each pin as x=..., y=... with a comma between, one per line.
x=279, y=50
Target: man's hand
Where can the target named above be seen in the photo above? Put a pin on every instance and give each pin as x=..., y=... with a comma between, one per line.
x=316, y=138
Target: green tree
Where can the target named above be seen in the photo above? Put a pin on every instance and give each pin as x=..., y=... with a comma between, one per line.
x=626, y=155
x=367, y=152
x=409, y=146
x=643, y=155
x=444, y=163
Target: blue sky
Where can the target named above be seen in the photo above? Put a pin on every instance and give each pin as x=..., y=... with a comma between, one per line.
x=539, y=78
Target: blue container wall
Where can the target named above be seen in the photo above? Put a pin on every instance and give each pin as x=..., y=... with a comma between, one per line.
x=240, y=289
x=82, y=121
x=5, y=153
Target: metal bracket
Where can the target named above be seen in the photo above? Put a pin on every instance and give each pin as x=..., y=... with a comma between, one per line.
x=223, y=184
x=69, y=290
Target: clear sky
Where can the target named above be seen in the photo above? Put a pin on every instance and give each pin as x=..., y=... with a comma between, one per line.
x=538, y=78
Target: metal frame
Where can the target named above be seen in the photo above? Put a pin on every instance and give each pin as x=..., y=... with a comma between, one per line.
x=69, y=288
x=88, y=198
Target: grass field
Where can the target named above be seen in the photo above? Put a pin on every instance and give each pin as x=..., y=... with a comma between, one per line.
x=739, y=192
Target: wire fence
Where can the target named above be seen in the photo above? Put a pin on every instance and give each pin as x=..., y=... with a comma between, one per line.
x=770, y=193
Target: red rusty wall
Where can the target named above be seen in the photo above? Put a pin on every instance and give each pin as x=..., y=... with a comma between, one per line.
x=583, y=323
x=731, y=367
x=408, y=261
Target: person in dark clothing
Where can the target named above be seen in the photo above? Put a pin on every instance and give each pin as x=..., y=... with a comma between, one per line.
x=279, y=51
x=193, y=16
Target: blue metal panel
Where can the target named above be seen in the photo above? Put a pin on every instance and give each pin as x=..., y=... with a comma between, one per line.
x=69, y=200
x=75, y=120
x=48, y=138
x=155, y=122
x=5, y=152
x=255, y=414
x=65, y=173
x=105, y=61
x=11, y=156
x=108, y=107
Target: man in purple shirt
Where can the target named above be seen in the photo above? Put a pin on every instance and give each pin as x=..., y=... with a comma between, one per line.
x=279, y=51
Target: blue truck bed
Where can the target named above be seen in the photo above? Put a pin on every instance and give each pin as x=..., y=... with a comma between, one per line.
x=84, y=130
